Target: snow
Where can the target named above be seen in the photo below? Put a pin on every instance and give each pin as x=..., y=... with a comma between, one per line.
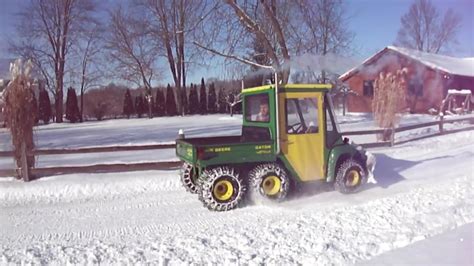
x=460, y=92
x=448, y=64
x=456, y=245
x=424, y=189
x=127, y=131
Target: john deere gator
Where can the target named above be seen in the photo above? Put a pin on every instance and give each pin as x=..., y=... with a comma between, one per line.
x=289, y=138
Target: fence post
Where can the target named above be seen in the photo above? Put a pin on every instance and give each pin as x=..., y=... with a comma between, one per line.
x=392, y=136
x=24, y=163
x=441, y=119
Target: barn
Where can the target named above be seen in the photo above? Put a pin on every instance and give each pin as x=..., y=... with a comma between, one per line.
x=429, y=77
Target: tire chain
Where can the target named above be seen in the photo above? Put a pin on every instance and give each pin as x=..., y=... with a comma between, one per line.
x=257, y=174
x=339, y=183
x=206, y=181
x=187, y=179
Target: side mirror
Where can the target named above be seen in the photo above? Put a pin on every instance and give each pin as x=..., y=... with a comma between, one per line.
x=345, y=140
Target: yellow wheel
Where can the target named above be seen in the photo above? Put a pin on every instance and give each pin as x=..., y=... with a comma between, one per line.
x=350, y=177
x=223, y=190
x=271, y=185
x=353, y=178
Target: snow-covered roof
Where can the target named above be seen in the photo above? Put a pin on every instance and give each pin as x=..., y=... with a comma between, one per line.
x=447, y=64
x=460, y=92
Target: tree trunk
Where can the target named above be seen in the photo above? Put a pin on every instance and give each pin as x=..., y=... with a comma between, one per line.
x=58, y=101
x=82, y=105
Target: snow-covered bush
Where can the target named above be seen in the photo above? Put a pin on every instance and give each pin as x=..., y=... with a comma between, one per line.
x=19, y=107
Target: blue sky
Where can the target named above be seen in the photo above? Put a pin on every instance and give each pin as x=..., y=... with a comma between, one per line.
x=374, y=22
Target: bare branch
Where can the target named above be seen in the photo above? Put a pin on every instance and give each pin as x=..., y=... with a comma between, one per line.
x=230, y=56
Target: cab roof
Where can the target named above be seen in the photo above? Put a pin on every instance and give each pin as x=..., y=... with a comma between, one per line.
x=290, y=87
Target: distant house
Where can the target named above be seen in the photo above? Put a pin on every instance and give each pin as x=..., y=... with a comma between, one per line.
x=429, y=78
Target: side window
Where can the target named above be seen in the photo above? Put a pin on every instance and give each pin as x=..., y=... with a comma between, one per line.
x=257, y=108
x=329, y=127
x=302, y=116
x=331, y=123
x=368, y=88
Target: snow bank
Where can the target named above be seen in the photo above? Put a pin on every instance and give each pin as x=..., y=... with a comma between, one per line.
x=84, y=187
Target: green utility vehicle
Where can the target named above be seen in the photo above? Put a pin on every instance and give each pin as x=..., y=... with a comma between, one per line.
x=289, y=137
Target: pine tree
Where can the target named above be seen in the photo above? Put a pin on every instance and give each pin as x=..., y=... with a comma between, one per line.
x=139, y=105
x=72, y=108
x=127, y=104
x=221, y=101
x=44, y=109
x=193, y=100
x=212, y=100
x=202, y=98
x=184, y=101
x=170, y=102
x=160, y=103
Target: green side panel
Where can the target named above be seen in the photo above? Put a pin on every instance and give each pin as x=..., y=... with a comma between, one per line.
x=185, y=151
x=236, y=154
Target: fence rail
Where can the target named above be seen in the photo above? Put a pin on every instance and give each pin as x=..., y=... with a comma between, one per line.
x=95, y=149
x=167, y=165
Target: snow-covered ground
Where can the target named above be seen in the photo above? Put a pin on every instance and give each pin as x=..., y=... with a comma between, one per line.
x=424, y=190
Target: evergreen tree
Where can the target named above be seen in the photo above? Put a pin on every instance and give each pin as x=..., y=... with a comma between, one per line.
x=184, y=101
x=159, y=103
x=139, y=103
x=127, y=104
x=193, y=100
x=221, y=101
x=170, y=102
x=202, y=98
x=72, y=108
x=212, y=100
x=44, y=109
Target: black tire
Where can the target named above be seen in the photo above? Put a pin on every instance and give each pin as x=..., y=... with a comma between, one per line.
x=351, y=176
x=269, y=183
x=188, y=178
x=221, y=189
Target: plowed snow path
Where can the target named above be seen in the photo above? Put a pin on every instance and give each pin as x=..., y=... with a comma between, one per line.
x=424, y=189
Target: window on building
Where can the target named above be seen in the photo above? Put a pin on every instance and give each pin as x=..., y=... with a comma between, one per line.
x=302, y=116
x=368, y=88
x=415, y=87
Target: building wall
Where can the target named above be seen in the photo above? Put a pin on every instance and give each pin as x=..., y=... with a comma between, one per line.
x=434, y=84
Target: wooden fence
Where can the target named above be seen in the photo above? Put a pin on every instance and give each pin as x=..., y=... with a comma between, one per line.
x=169, y=165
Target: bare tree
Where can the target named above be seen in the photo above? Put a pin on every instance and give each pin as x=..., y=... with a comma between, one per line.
x=171, y=23
x=326, y=31
x=277, y=31
x=48, y=29
x=89, y=62
x=130, y=48
x=232, y=99
x=423, y=29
